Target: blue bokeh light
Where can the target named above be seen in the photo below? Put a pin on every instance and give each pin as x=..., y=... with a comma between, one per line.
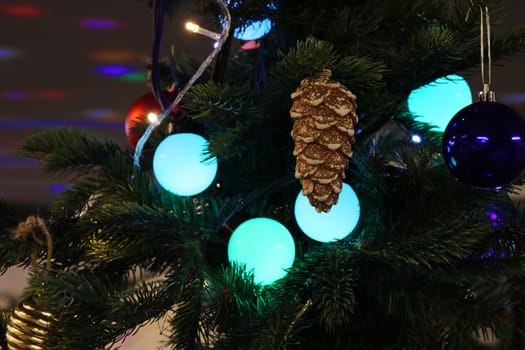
x=338, y=223
x=264, y=246
x=8, y=52
x=115, y=70
x=181, y=166
x=436, y=103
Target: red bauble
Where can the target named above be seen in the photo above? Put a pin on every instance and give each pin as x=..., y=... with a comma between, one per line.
x=138, y=114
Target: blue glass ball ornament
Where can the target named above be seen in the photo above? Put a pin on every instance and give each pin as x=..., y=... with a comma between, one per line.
x=436, y=103
x=484, y=145
x=336, y=224
x=253, y=31
x=264, y=246
x=181, y=166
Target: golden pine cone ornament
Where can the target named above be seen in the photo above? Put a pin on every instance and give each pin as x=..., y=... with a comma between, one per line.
x=324, y=114
x=28, y=327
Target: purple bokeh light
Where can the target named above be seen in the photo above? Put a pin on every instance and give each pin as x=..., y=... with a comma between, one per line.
x=58, y=187
x=15, y=95
x=100, y=23
x=115, y=70
x=8, y=52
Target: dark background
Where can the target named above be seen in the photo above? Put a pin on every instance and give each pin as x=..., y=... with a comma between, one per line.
x=48, y=78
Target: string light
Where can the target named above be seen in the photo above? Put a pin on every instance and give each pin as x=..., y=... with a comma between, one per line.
x=195, y=28
x=204, y=65
x=416, y=138
x=152, y=117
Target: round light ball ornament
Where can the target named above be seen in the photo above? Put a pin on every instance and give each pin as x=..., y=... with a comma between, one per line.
x=336, y=224
x=264, y=246
x=181, y=166
x=484, y=145
x=437, y=102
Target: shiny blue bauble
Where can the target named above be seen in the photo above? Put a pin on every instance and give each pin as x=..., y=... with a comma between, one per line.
x=254, y=30
x=484, y=145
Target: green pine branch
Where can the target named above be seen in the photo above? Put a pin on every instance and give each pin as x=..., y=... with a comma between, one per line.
x=70, y=150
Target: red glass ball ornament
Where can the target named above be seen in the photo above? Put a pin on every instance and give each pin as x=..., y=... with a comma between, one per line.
x=138, y=114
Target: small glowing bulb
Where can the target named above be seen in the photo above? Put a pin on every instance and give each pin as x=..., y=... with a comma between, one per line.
x=416, y=138
x=192, y=27
x=152, y=117
x=195, y=28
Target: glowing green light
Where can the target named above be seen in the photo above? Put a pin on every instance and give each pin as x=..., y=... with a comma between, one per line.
x=436, y=103
x=264, y=246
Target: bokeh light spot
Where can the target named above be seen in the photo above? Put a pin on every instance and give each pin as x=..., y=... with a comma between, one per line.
x=137, y=77
x=15, y=95
x=51, y=94
x=58, y=187
x=8, y=52
x=103, y=113
x=113, y=56
x=100, y=23
x=22, y=10
x=115, y=70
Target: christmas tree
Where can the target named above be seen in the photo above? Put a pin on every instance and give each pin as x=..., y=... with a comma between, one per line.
x=332, y=218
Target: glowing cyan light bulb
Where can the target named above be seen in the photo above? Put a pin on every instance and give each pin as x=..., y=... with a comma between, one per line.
x=195, y=28
x=181, y=166
x=264, y=246
x=436, y=103
x=338, y=223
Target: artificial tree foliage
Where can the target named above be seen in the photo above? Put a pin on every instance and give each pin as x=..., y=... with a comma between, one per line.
x=433, y=263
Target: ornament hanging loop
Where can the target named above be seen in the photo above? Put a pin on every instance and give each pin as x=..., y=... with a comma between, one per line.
x=486, y=94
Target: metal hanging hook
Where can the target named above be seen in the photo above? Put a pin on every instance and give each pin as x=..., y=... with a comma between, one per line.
x=486, y=94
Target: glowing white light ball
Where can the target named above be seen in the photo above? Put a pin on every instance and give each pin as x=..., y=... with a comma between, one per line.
x=436, y=103
x=338, y=223
x=181, y=166
x=264, y=246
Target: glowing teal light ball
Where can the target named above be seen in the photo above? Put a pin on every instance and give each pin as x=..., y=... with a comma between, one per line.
x=436, y=103
x=338, y=223
x=181, y=166
x=264, y=246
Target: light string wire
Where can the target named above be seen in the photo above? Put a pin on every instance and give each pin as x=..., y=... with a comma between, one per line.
x=224, y=36
x=485, y=30
x=158, y=26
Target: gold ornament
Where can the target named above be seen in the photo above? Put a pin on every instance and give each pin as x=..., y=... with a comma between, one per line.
x=28, y=327
x=324, y=114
